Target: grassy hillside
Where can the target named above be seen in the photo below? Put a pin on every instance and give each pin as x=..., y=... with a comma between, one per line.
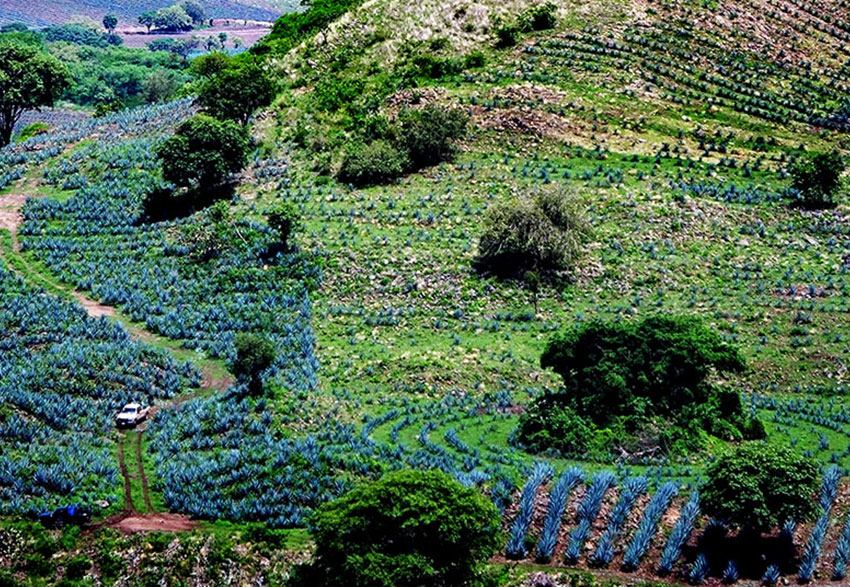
x=676, y=123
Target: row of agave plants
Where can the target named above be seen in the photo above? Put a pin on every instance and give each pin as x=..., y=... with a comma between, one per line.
x=632, y=526
x=62, y=377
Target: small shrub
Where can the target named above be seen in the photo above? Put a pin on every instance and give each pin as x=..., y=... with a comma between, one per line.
x=31, y=130
x=538, y=18
x=431, y=67
x=474, y=60
x=542, y=233
x=376, y=163
x=817, y=178
x=507, y=35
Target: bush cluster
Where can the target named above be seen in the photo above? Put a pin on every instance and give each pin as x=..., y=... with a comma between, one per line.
x=536, y=18
x=817, y=179
x=409, y=529
x=637, y=389
x=418, y=139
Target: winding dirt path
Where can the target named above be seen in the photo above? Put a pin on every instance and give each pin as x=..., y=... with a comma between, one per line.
x=130, y=520
x=11, y=218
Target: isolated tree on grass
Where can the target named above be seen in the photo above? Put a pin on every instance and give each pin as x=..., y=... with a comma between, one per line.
x=409, y=529
x=110, y=21
x=759, y=487
x=203, y=152
x=818, y=179
x=29, y=80
x=254, y=354
x=235, y=93
x=541, y=233
x=148, y=19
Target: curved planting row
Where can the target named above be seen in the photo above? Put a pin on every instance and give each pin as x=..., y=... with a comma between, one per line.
x=63, y=375
x=99, y=240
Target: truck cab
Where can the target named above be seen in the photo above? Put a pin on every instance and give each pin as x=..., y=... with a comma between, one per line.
x=131, y=415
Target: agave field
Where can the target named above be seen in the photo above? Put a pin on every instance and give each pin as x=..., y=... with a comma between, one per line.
x=394, y=352
x=62, y=377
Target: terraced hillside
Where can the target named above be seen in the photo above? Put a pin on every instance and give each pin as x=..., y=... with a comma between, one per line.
x=676, y=123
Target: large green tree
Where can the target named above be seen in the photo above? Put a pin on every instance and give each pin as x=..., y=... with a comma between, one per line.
x=637, y=387
x=203, y=151
x=29, y=80
x=759, y=487
x=542, y=233
x=236, y=92
x=409, y=529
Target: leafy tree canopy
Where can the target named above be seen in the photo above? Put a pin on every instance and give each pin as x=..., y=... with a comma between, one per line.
x=759, y=487
x=817, y=177
x=203, y=150
x=428, y=136
x=208, y=65
x=637, y=387
x=409, y=529
x=29, y=80
x=110, y=21
x=284, y=220
x=541, y=233
x=195, y=10
x=236, y=92
x=253, y=355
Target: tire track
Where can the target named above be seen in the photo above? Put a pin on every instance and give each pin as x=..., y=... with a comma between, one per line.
x=142, y=476
x=129, y=506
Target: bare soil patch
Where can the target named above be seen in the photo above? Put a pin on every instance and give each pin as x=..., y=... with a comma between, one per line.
x=249, y=32
x=10, y=211
x=158, y=522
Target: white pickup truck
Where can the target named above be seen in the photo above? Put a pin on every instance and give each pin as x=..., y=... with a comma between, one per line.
x=131, y=415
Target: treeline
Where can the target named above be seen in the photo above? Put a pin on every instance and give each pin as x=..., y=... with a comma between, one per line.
x=104, y=74
x=183, y=16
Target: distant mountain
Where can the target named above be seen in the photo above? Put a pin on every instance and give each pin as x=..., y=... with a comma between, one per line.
x=48, y=12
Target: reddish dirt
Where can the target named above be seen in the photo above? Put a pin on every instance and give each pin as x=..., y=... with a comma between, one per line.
x=249, y=31
x=10, y=211
x=156, y=522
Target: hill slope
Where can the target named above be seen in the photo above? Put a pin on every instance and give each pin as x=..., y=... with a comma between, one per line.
x=676, y=124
